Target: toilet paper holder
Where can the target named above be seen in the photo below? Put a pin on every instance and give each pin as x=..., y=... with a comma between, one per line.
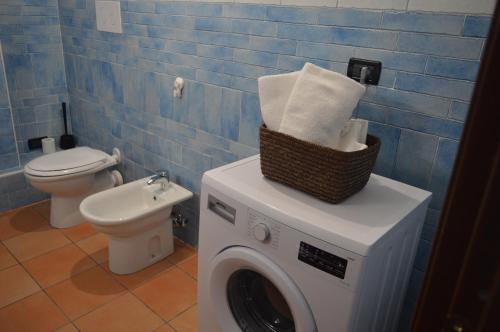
x=48, y=145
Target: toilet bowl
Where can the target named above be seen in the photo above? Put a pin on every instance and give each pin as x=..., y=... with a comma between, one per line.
x=70, y=176
x=136, y=218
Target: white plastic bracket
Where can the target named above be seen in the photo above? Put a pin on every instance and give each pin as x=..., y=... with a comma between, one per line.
x=117, y=155
x=178, y=86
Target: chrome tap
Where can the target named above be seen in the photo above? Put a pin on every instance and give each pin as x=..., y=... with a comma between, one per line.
x=161, y=175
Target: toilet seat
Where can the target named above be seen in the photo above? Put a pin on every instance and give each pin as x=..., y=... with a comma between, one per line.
x=69, y=162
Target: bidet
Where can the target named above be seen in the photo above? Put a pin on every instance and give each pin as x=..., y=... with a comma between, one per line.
x=136, y=218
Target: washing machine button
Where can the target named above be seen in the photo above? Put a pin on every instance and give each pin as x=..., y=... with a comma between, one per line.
x=261, y=232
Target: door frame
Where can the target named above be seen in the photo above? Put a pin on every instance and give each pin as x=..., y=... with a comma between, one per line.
x=462, y=282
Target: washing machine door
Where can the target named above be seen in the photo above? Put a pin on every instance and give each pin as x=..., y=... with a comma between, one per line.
x=251, y=293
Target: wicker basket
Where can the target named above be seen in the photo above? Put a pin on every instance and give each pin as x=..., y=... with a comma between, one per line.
x=327, y=174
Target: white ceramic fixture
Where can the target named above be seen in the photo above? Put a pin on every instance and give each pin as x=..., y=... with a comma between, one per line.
x=108, y=16
x=70, y=176
x=136, y=217
x=272, y=258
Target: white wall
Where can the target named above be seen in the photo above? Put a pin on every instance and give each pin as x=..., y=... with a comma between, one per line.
x=459, y=6
x=448, y=6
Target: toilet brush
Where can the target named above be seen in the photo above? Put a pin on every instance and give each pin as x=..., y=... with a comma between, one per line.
x=67, y=141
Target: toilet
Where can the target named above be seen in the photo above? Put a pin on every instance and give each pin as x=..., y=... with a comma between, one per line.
x=70, y=176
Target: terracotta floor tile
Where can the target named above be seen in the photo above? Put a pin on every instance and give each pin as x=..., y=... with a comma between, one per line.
x=43, y=208
x=190, y=266
x=125, y=313
x=58, y=265
x=33, y=244
x=136, y=279
x=34, y=313
x=67, y=328
x=181, y=252
x=79, y=232
x=187, y=321
x=96, y=246
x=169, y=294
x=6, y=259
x=17, y=222
x=85, y=291
x=165, y=328
x=15, y=283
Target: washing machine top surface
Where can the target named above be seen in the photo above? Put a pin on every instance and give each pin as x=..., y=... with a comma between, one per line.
x=81, y=158
x=355, y=224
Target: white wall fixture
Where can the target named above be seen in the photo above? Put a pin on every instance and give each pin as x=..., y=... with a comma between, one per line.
x=108, y=16
x=178, y=86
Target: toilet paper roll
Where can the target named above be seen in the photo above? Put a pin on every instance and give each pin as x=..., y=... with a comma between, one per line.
x=48, y=145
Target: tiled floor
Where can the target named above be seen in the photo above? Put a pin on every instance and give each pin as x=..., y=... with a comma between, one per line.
x=58, y=280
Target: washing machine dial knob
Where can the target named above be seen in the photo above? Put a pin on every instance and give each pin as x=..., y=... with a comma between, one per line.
x=261, y=232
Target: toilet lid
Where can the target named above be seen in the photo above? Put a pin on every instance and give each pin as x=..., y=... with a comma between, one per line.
x=81, y=157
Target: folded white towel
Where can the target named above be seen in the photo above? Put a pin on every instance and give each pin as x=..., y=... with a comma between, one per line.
x=353, y=146
x=353, y=136
x=274, y=91
x=361, y=127
x=319, y=106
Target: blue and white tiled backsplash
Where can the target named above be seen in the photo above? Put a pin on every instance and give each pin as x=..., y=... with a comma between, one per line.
x=34, y=65
x=120, y=85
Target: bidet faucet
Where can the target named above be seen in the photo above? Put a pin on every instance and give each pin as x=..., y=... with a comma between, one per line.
x=161, y=175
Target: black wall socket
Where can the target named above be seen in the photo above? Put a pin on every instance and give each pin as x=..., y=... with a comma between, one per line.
x=373, y=69
x=35, y=143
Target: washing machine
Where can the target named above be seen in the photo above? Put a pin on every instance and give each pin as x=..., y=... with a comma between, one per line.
x=274, y=259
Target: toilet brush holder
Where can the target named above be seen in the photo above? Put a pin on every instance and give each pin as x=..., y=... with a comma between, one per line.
x=67, y=141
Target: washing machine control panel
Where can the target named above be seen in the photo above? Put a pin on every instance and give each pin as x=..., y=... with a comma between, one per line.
x=306, y=253
x=261, y=232
x=263, y=229
x=322, y=260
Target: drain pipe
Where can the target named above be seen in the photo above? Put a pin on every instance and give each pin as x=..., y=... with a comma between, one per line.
x=117, y=178
x=116, y=175
x=178, y=219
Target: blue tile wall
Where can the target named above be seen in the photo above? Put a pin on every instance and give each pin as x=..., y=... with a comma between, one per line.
x=9, y=158
x=120, y=86
x=477, y=26
x=415, y=158
x=15, y=191
x=32, y=46
x=452, y=68
x=423, y=22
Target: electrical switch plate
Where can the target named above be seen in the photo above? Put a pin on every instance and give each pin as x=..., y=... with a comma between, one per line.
x=373, y=69
x=108, y=16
